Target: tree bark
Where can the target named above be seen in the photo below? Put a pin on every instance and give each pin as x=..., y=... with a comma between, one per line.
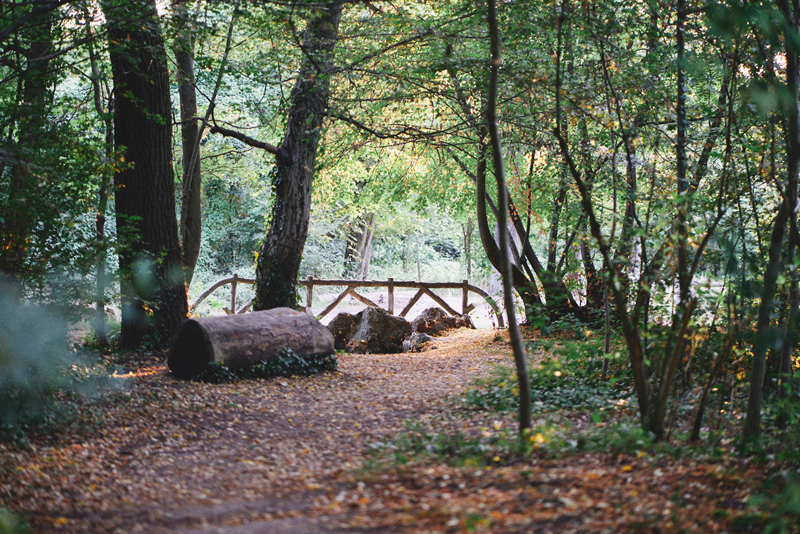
x=468, y=246
x=358, y=252
x=105, y=115
x=151, y=278
x=520, y=358
x=241, y=340
x=191, y=210
x=279, y=258
x=786, y=216
x=362, y=273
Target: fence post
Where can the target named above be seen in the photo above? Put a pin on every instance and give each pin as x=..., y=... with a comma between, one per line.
x=234, y=283
x=391, y=296
x=464, y=297
x=309, y=294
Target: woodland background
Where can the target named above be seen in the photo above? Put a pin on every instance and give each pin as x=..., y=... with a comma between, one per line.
x=650, y=158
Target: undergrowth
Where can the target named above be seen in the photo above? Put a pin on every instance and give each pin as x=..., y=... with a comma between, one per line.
x=285, y=364
x=570, y=377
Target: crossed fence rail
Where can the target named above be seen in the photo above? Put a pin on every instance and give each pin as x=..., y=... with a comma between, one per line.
x=423, y=288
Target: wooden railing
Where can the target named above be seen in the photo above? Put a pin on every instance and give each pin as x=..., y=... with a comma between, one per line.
x=423, y=288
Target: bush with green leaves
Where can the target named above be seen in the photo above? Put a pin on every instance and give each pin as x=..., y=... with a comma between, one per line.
x=11, y=524
x=570, y=378
x=776, y=510
x=36, y=362
x=285, y=364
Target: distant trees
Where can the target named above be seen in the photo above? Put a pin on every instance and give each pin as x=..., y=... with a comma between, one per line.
x=650, y=158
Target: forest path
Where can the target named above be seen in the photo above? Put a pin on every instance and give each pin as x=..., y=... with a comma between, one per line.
x=254, y=456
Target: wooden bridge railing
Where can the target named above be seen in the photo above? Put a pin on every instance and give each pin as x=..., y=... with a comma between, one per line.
x=424, y=288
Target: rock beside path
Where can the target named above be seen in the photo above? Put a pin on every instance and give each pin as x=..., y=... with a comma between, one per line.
x=417, y=342
x=435, y=321
x=371, y=330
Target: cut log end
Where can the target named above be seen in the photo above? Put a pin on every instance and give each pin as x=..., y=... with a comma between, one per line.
x=191, y=350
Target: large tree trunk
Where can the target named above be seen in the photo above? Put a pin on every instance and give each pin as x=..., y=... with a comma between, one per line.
x=17, y=216
x=151, y=277
x=279, y=258
x=190, y=221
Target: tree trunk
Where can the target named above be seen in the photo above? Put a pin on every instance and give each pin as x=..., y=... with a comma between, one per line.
x=279, y=258
x=786, y=215
x=151, y=277
x=405, y=253
x=358, y=252
x=419, y=266
x=190, y=221
x=594, y=282
x=362, y=273
x=520, y=359
x=17, y=216
x=104, y=114
x=468, y=247
x=241, y=340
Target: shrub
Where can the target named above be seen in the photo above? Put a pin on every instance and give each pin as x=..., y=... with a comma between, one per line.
x=36, y=362
x=285, y=364
x=570, y=379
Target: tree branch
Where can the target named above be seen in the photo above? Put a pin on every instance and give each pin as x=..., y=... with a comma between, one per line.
x=246, y=139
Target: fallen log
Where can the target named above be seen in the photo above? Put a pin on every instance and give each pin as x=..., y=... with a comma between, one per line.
x=242, y=340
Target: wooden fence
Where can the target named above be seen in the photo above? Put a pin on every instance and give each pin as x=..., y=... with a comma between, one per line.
x=423, y=288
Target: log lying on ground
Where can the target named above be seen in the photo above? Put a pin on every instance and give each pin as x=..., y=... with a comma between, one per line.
x=242, y=340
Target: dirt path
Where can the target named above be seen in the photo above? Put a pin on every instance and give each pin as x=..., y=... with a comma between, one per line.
x=255, y=456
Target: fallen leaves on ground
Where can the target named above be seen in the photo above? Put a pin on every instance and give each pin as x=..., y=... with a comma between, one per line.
x=165, y=456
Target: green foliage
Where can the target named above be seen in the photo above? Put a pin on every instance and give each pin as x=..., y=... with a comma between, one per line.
x=11, y=524
x=785, y=404
x=622, y=438
x=776, y=512
x=485, y=447
x=570, y=379
x=36, y=363
x=285, y=364
x=453, y=449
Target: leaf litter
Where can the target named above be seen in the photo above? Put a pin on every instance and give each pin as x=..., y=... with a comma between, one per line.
x=295, y=454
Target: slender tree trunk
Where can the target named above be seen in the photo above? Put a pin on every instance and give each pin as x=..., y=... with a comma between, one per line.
x=358, y=253
x=685, y=306
x=520, y=358
x=152, y=282
x=279, y=258
x=721, y=359
x=419, y=266
x=468, y=246
x=405, y=254
x=191, y=211
x=786, y=215
x=105, y=115
x=594, y=281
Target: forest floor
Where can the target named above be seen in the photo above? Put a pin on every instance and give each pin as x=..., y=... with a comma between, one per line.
x=324, y=454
